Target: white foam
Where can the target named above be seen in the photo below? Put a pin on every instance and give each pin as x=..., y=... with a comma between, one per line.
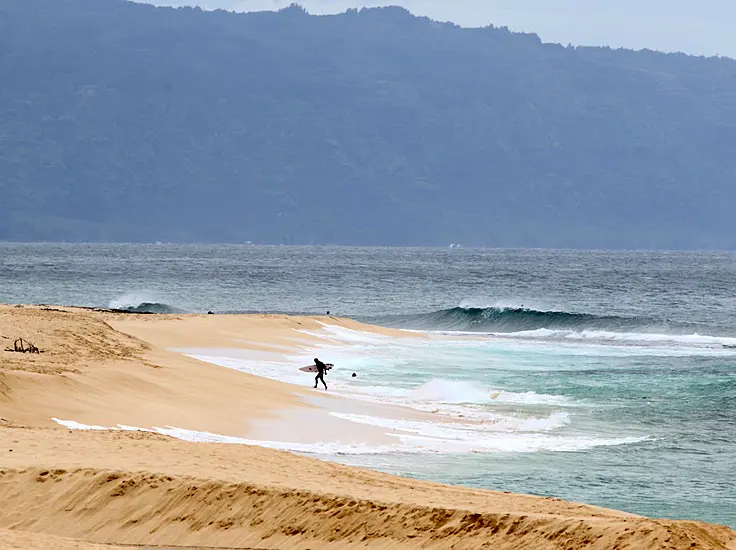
x=412, y=439
x=451, y=391
x=528, y=398
x=133, y=299
x=456, y=430
x=275, y=370
x=322, y=448
x=77, y=426
x=486, y=438
x=457, y=398
x=516, y=443
x=506, y=305
x=602, y=335
x=555, y=420
x=463, y=391
x=482, y=419
x=326, y=449
x=344, y=335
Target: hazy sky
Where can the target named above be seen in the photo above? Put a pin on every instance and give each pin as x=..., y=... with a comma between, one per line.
x=702, y=27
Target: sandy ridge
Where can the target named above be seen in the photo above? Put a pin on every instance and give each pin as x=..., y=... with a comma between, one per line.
x=95, y=374
x=141, y=488
x=71, y=340
x=146, y=508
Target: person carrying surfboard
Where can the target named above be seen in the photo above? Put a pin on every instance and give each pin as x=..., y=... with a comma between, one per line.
x=321, y=370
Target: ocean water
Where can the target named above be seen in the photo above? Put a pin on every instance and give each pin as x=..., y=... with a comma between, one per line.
x=601, y=377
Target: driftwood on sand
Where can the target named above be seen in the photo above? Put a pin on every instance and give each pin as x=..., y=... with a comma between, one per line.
x=23, y=346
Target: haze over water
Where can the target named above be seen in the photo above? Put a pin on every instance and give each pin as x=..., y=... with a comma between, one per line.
x=603, y=377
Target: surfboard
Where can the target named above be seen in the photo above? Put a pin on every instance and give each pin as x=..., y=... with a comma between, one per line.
x=313, y=368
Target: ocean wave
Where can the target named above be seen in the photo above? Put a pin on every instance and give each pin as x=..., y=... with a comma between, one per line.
x=461, y=392
x=141, y=302
x=515, y=319
x=694, y=339
x=150, y=307
x=503, y=320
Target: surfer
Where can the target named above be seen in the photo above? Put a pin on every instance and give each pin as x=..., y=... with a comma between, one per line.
x=321, y=370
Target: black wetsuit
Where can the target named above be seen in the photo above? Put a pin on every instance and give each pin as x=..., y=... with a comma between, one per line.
x=321, y=369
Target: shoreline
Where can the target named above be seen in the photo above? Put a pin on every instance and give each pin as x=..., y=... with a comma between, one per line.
x=140, y=488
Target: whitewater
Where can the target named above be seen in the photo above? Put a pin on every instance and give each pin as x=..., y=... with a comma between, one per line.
x=602, y=377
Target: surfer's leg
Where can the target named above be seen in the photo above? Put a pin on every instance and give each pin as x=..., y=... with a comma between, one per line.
x=316, y=379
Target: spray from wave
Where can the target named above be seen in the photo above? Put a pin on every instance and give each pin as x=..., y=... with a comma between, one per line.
x=461, y=392
x=141, y=302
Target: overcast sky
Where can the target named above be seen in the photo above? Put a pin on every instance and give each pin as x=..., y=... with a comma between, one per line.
x=701, y=27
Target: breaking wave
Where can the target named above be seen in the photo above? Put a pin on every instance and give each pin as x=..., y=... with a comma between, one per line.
x=150, y=307
x=467, y=392
x=141, y=303
x=520, y=319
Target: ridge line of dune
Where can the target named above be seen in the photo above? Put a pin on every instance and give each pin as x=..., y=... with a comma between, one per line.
x=110, y=506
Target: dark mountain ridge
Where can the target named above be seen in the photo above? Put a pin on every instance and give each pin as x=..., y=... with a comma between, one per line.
x=127, y=122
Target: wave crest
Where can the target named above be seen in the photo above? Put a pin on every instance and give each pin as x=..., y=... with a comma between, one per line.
x=520, y=319
x=150, y=307
x=463, y=392
x=141, y=303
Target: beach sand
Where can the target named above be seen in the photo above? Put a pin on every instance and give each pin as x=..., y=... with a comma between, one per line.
x=63, y=488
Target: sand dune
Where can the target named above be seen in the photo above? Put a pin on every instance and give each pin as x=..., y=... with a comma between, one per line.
x=144, y=489
x=137, y=488
x=20, y=540
x=94, y=374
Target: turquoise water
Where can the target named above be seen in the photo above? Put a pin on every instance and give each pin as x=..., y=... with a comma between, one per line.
x=650, y=428
x=602, y=377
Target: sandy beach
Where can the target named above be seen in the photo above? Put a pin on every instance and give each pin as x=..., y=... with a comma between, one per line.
x=67, y=488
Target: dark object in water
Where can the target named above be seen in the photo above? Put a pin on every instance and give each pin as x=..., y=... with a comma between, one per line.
x=210, y=313
x=354, y=375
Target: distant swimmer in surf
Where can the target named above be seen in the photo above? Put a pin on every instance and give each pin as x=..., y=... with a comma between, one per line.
x=321, y=370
